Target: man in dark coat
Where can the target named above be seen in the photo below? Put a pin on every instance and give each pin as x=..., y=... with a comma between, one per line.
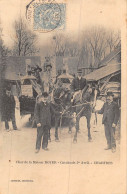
x=110, y=113
x=43, y=120
x=78, y=84
x=8, y=109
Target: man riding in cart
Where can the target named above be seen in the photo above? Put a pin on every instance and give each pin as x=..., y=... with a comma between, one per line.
x=79, y=84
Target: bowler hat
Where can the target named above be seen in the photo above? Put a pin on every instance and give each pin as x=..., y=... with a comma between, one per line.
x=110, y=94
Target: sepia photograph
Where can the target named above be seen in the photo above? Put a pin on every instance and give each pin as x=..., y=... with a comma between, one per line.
x=63, y=104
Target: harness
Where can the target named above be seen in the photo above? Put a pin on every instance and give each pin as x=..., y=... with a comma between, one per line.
x=66, y=110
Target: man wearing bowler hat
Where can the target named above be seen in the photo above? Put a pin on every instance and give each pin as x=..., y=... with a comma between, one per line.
x=110, y=113
x=78, y=84
x=43, y=120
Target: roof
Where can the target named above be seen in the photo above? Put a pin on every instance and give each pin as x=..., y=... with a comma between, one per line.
x=110, y=56
x=103, y=72
x=65, y=75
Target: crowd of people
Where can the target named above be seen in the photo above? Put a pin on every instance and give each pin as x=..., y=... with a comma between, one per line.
x=44, y=110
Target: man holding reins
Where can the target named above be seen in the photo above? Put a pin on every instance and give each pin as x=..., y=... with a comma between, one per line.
x=78, y=85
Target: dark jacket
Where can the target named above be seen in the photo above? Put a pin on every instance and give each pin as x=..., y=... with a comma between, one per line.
x=8, y=106
x=43, y=113
x=110, y=113
x=78, y=84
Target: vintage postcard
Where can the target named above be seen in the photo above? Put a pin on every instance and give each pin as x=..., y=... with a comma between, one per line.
x=63, y=96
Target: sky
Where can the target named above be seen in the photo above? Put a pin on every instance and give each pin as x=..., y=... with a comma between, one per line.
x=80, y=14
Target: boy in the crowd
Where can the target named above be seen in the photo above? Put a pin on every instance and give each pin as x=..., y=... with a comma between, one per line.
x=110, y=113
x=43, y=120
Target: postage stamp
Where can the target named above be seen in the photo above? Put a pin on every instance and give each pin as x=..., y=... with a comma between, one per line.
x=46, y=16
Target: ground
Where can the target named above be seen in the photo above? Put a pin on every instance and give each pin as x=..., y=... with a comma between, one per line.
x=67, y=168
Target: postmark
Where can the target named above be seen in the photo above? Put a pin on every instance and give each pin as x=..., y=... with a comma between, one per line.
x=46, y=15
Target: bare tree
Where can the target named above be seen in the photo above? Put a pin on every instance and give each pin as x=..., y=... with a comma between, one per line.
x=97, y=42
x=4, y=51
x=24, y=41
x=65, y=46
x=113, y=39
x=60, y=42
x=3, y=55
x=73, y=48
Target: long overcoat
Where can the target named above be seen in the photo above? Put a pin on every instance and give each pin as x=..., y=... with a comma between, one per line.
x=8, y=107
x=43, y=114
x=110, y=113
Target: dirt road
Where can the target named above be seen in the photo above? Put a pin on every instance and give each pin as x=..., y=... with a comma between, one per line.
x=67, y=168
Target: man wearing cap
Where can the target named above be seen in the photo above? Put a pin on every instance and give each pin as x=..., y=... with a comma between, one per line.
x=43, y=111
x=110, y=113
x=78, y=84
x=43, y=120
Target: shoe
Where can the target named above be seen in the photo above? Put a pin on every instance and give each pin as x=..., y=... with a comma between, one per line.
x=8, y=130
x=36, y=151
x=69, y=131
x=57, y=140
x=108, y=148
x=90, y=139
x=113, y=149
x=17, y=129
x=46, y=149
